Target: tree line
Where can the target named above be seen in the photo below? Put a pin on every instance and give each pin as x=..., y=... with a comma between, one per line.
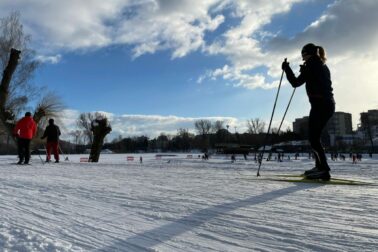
x=208, y=135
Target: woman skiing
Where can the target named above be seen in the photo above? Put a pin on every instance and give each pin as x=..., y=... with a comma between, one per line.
x=315, y=73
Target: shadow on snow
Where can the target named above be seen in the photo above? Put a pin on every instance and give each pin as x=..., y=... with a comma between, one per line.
x=146, y=240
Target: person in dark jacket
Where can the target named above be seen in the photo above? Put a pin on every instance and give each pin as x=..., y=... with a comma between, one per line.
x=315, y=73
x=24, y=131
x=52, y=132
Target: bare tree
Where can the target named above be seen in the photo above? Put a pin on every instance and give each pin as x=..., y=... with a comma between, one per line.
x=274, y=130
x=6, y=116
x=18, y=63
x=217, y=126
x=203, y=126
x=49, y=106
x=20, y=91
x=77, y=136
x=84, y=123
x=255, y=126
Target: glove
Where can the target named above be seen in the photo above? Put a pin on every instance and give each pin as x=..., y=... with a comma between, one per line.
x=302, y=68
x=285, y=65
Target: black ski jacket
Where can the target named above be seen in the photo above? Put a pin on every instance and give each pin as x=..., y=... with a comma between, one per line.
x=52, y=132
x=317, y=77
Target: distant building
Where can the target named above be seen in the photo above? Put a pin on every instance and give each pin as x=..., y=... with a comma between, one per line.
x=340, y=124
x=368, y=126
x=300, y=127
x=340, y=128
x=369, y=119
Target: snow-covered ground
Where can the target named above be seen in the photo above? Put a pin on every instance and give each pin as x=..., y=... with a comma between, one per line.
x=183, y=204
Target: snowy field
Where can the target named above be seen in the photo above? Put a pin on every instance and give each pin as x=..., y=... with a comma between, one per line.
x=184, y=204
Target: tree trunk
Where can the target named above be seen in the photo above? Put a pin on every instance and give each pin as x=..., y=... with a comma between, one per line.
x=100, y=129
x=7, y=77
x=4, y=88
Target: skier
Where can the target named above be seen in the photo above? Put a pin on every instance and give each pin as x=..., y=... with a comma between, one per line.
x=354, y=158
x=233, y=158
x=315, y=73
x=24, y=131
x=52, y=132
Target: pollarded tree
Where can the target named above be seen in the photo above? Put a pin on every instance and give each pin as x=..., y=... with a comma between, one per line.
x=7, y=116
x=49, y=105
x=18, y=63
x=100, y=127
x=19, y=90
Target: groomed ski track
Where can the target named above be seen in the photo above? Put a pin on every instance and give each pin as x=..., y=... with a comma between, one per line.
x=183, y=205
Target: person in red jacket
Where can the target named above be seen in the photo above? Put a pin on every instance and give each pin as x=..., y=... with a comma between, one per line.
x=25, y=130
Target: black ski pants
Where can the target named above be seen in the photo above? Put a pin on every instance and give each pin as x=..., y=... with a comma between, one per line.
x=23, y=145
x=321, y=112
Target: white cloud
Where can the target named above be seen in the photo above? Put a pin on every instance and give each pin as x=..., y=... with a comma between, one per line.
x=148, y=125
x=346, y=29
x=242, y=44
x=54, y=59
x=169, y=25
x=147, y=26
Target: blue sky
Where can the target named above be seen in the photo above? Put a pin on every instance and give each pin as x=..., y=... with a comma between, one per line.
x=175, y=62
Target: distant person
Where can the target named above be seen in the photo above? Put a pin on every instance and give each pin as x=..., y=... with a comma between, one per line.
x=52, y=132
x=24, y=131
x=354, y=158
x=315, y=73
x=233, y=158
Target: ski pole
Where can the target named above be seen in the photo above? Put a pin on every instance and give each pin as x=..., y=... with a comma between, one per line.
x=270, y=123
x=64, y=157
x=283, y=118
x=43, y=163
x=287, y=108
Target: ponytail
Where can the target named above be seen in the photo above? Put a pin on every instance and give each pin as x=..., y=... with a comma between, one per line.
x=322, y=53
